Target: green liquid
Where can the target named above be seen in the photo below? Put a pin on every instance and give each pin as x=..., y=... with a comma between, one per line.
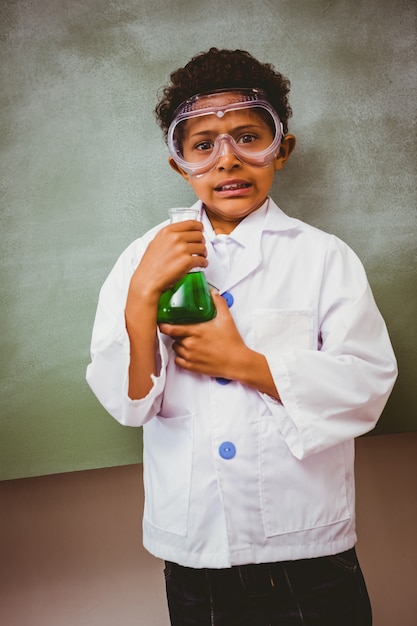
x=187, y=302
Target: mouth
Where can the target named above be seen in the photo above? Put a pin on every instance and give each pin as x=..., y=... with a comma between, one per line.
x=232, y=186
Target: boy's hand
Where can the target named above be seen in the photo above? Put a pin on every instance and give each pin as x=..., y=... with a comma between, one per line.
x=175, y=250
x=214, y=348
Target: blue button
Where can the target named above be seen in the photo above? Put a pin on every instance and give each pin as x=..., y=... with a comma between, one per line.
x=227, y=450
x=223, y=381
x=229, y=298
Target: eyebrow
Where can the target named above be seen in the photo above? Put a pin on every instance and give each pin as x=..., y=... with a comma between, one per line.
x=242, y=127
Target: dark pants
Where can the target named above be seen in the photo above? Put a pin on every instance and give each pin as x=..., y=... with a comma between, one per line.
x=327, y=591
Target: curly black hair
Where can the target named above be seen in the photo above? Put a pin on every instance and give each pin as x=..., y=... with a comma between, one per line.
x=223, y=69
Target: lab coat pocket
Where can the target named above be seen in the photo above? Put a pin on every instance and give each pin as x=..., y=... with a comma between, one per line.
x=281, y=330
x=302, y=494
x=167, y=461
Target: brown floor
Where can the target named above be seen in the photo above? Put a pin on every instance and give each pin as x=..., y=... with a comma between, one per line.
x=71, y=551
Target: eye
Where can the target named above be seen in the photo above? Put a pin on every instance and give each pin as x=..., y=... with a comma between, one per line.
x=204, y=145
x=247, y=138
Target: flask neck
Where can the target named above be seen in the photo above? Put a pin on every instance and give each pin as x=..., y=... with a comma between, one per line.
x=181, y=214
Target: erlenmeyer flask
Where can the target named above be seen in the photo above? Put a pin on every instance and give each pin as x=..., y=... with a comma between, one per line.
x=189, y=300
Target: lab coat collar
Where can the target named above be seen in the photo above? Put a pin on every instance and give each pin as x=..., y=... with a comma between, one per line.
x=247, y=234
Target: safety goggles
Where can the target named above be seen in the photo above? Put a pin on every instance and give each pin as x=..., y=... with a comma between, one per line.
x=209, y=125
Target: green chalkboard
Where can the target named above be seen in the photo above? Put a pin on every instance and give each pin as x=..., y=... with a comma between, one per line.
x=84, y=172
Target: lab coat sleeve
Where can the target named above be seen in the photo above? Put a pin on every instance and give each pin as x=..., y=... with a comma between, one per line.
x=338, y=391
x=107, y=373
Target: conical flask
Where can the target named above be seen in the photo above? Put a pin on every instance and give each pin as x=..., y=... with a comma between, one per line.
x=189, y=300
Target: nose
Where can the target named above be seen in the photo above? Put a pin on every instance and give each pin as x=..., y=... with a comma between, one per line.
x=227, y=157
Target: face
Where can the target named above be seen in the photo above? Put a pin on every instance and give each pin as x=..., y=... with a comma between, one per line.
x=234, y=188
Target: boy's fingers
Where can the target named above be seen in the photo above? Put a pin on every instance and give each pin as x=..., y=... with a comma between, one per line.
x=174, y=330
x=218, y=300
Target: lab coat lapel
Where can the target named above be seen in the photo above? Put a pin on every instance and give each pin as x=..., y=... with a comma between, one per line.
x=248, y=234
x=248, y=262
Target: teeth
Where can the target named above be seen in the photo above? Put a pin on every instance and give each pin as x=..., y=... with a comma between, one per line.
x=232, y=187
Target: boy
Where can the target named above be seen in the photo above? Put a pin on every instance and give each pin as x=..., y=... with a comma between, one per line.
x=250, y=418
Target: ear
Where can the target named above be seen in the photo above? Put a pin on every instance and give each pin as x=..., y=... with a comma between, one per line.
x=287, y=146
x=177, y=168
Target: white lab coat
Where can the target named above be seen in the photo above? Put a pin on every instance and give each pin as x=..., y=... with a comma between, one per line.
x=283, y=485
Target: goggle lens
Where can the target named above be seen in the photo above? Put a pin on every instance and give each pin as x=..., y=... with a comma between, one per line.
x=201, y=134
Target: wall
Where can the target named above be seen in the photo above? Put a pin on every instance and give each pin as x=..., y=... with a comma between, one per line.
x=72, y=550
x=84, y=173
